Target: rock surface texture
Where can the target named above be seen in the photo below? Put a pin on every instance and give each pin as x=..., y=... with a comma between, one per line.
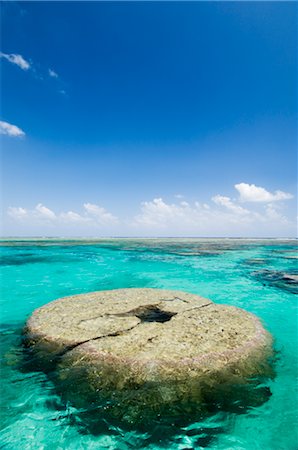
x=147, y=347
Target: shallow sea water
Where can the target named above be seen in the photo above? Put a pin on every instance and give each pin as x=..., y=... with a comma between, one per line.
x=258, y=276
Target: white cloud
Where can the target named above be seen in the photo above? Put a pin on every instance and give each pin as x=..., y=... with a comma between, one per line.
x=73, y=217
x=227, y=203
x=39, y=72
x=17, y=213
x=93, y=215
x=253, y=193
x=53, y=74
x=158, y=213
x=101, y=215
x=273, y=213
x=16, y=59
x=225, y=217
x=222, y=217
x=10, y=130
x=39, y=214
x=44, y=212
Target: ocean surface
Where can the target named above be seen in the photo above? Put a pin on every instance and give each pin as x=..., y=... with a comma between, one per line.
x=257, y=275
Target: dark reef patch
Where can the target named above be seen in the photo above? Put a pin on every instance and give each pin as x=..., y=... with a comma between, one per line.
x=22, y=259
x=281, y=280
x=255, y=261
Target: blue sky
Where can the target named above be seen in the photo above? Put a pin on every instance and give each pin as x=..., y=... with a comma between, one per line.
x=149, y=119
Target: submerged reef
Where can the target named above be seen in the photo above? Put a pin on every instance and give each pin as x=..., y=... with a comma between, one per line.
x=141, y=352
x=281, y=280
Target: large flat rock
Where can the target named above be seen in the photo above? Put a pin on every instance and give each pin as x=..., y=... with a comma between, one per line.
x=148, y=346
x=73, y=320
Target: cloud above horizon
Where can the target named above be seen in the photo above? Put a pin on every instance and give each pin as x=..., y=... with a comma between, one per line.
x=221, y=200
x=221, y=217
x=16, y=59
x=93, y=215
x=196, y=217
x=101, y=215
x=253, y=193
x=10, y=130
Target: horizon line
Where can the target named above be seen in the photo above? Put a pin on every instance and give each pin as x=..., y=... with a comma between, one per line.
x=2, y=238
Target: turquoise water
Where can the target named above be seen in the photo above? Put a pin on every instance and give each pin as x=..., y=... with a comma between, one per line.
x=255, y=275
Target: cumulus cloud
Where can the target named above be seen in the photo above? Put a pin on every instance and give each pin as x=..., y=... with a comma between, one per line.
x=10, y=130
x=39, y=213
x=17, y=213
x=253, y=193
x=223, y=216
x=53, y=74
x=227, y=203
x=101, y=215
x=93, y=215
x=273, y=213
x=159, y=213
x=197, y=217
x=44, y=212
x=16, y=59
x=73, y=217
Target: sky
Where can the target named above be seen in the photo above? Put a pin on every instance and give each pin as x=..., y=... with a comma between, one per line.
x=149, y=119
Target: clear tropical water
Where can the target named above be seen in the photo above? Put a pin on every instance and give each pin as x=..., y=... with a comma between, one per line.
x=256, y=275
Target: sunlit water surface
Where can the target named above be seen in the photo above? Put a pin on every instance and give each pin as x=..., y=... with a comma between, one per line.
x=256, y=275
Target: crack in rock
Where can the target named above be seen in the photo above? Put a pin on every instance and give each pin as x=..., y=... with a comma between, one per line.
x=197, y=307
x=147, y=313
x=173, y=299
x=115, y=333
x=154, y=315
